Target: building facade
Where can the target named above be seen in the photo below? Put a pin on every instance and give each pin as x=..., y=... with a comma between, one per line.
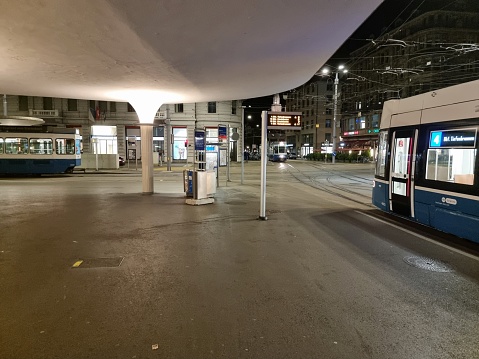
x=113, y=127
x=315, y=100
x=431, y=50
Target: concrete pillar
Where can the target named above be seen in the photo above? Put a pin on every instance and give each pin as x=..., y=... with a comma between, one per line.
x=147, y=157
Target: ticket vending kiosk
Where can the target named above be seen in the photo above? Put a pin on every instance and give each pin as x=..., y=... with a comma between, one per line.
x=199, y=183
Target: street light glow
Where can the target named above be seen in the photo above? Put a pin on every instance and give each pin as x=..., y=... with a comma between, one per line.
x=325, y=71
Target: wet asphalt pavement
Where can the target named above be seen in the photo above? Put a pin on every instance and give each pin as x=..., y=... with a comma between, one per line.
x=323, y=277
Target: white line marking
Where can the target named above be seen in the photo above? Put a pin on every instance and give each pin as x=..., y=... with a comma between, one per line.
x=421, y=236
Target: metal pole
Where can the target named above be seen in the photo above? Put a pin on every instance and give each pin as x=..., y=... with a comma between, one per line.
x=136, y=153
x=336, y=81
x=96, y=154
x=264, y=161
x=168, y=139
x=218, y=159
x=228, y=157
x=5, y=105
x=242, y=144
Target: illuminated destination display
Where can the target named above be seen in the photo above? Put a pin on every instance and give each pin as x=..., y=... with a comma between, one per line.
x=284, y=120
x=453, y=138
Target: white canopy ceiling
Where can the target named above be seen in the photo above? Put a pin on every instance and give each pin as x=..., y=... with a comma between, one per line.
x=175, y=50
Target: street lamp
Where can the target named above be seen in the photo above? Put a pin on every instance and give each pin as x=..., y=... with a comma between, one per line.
x=325, y=71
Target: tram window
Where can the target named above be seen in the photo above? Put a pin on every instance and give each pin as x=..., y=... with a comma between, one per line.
x=1, y=145
x=279, y=149
x=451, y=165
x=16, y=146
x=41, y=146
x=65, y=146
x=382, y=154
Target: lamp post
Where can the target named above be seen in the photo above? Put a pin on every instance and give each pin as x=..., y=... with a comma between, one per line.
x=325, y=71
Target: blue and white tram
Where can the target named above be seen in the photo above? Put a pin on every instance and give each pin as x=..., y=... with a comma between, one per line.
x=279, y=152
x=34, y=150
x=427, y=167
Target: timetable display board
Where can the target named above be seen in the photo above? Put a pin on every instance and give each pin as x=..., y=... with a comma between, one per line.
x=284, y=120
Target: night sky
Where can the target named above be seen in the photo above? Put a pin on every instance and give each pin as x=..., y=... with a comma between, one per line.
x=390, y=14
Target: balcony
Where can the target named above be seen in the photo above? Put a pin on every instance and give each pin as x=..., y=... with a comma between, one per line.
x=43, y=113
x=160, y=115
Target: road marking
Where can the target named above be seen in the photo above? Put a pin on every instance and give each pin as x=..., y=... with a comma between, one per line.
x=77, y=264
x=422, y=237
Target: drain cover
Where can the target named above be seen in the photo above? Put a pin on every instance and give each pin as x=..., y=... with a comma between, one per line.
x=429, y=264
x=98, y=262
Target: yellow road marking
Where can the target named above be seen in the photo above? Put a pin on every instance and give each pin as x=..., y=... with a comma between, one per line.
x=77, y=264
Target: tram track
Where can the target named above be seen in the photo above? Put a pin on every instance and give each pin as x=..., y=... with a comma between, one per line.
x=327, y=185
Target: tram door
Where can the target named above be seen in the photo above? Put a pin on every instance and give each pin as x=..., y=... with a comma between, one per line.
x=401, y=183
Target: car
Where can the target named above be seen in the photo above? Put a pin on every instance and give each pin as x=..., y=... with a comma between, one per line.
x=121, y=161
x=292, y=156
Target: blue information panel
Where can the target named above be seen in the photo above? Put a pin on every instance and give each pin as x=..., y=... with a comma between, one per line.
x=200, y=140
x=453, y=138
x=222, y=134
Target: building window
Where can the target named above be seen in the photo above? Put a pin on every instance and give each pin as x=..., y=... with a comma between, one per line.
x=328, y=123
x=130, y=108
x=375, y=121
x=47, y=103
x=179, y=108
x=112, y=106
x=91, y=103
x=327, y=137
x=329, y=111
x=211, y=107
x=180, y=149
x=102, y=106
x=72, y=105
x=22, y=103
x=329, y=87
x=233, y=107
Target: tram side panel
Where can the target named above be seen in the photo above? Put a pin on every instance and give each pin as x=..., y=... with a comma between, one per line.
x=446, y=191
x=21, y=154
x=445, y=187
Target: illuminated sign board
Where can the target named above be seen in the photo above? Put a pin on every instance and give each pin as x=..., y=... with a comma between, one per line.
x=284, y=120
x=351, y=133
x=222, y=134
x=453, y=138
x=200, y=140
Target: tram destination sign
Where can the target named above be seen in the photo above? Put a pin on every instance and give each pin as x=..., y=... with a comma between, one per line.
x=284, y=120
x=453, y=138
